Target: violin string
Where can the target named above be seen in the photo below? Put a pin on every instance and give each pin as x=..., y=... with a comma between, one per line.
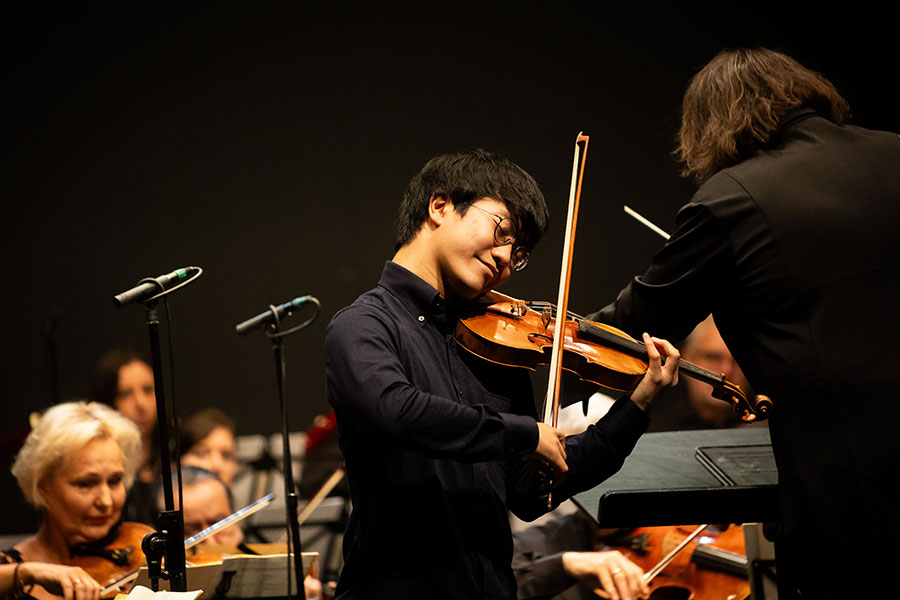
x=717, y=380
x=635, y=345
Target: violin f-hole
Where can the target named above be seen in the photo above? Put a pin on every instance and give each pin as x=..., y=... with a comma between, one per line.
x=539, y=336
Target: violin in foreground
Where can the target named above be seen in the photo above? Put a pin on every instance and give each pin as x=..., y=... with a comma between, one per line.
x=115, y=561
x=682, y=564
x=516, y=333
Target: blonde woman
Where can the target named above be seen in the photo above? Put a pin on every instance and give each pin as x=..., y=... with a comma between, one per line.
x=76, y=467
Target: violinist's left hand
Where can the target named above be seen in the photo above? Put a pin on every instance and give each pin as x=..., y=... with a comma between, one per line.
x=659, y=376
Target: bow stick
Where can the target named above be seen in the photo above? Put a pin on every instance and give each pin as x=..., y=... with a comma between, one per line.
x=551, y=401
x=646, y=222
x=192, y=541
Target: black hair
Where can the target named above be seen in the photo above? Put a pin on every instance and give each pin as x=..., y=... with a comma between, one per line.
x=105, y=378
x=465, y=177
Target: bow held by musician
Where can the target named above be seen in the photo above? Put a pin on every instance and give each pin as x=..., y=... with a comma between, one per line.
x=438, y=443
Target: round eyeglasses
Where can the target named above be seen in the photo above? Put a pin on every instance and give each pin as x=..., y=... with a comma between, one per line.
x=505, y=232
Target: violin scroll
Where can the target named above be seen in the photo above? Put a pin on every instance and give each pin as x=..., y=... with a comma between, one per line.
x=762, y=405
x=752, y=409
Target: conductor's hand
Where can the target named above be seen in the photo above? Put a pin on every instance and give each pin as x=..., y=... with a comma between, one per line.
x=551, y=447
x=619, y=578
x=72, y=583
x=659, y=376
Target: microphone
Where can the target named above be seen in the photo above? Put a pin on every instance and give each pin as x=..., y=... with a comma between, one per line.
x=148, y=288
x=274, y=314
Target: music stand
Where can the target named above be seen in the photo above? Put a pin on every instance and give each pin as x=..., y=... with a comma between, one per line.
x=663, y=483
x=694, y=477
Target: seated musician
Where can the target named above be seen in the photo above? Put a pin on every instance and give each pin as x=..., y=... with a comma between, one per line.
x=123, y=379
x=207, y=440
x=75, y=466
x=208, y=500
x=435, y=439
x=565, y=557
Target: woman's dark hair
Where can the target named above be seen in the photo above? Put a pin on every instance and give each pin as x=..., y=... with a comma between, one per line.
x=735, y=104
x=200, y=424
x=465, y=177
x=105, y=378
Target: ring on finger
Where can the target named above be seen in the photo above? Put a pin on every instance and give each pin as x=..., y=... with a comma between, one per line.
x=617, y=570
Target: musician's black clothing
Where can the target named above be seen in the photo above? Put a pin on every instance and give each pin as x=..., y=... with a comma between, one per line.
x=537, y=561
x=11, y=556
x=794, y=251
x=433, y=441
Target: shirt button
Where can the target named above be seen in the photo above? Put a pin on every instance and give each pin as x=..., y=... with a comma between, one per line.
x=421, y=318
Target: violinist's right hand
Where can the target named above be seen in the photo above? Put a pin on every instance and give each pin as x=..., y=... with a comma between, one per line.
x=619, y=578
x=551, y=447
x=72, y=583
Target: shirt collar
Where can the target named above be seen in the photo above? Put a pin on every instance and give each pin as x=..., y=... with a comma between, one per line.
x=418, y=297
x=796, y=115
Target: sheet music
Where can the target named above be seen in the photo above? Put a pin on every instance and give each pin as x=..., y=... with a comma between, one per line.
x=240, y=576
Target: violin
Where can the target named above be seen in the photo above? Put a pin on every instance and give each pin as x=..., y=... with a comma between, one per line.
x=110, y=559
x=513, y=332
x=711, y=567
x=116, y=560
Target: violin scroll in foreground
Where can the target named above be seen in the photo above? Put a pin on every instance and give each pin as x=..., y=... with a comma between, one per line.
x=512, y=332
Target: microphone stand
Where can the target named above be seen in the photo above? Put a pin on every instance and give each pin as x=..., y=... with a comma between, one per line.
x=271, y=320
x=290, y=491
x=168, y=540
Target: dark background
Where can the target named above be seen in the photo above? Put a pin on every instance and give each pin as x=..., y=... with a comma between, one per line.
x=271, y=145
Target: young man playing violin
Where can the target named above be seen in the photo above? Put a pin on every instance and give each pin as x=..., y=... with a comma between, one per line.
x=436, y=441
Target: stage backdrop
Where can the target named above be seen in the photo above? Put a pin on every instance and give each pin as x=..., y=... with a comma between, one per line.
x=270, y=146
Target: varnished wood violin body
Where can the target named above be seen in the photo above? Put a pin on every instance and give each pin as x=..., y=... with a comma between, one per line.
x=712, y=567
x=114, y=557
x=504, y=330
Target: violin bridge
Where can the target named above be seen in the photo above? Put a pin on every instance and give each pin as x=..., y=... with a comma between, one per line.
x=546, y=316
x=517, y=309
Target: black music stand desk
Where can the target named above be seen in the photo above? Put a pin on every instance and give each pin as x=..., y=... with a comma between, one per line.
x=665, y=481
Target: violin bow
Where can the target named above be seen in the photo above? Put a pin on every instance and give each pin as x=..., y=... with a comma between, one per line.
x=646, y=222
x=239, y=515
x=192, y=541
x=664, y=562
x=551, y=401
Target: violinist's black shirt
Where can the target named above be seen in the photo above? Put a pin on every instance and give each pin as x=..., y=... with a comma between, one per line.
x=433, y=439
